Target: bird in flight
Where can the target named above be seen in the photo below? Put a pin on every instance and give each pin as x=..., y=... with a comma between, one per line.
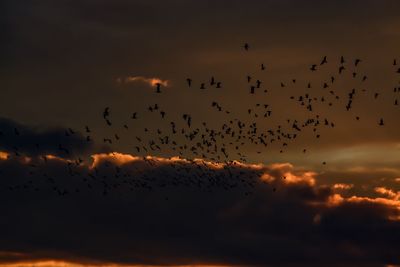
x=189, y=82
x=324, y=61
x=106, y=112
x=158, y=88
x=217, y=143
x=313, y=67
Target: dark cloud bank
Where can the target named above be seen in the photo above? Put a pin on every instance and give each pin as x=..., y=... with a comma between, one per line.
x=29, y=141
x=131, y=210
x=155, y=211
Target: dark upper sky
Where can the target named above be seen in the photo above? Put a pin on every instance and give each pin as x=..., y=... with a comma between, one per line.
x=63, y=62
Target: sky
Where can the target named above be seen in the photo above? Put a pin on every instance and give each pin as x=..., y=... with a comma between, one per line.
x=98, y=169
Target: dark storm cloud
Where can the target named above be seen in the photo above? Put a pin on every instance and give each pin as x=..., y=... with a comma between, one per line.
x=22, y=139
x=176, y=222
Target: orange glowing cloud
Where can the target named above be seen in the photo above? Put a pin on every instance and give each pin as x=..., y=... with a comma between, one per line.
x=284, y=173
x=252, y=166
x=384, y=201
x=6, y=156
x=56, y=158
x=114, y=157
x=306, y=177
x=121, y=159
x=291, y=176
x=266, y=171
x=335, y=200
x=388, y=192
x=150, y=81
x=3, y=155
x=343, y=186
x=267, y=178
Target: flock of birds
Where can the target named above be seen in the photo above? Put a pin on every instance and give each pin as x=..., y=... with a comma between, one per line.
x=193, y=139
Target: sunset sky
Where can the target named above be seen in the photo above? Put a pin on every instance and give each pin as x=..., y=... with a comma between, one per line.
x=98, y=169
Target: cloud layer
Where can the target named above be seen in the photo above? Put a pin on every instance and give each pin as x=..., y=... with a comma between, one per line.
x=140, y=79
x=157, y=211
x=22, y=139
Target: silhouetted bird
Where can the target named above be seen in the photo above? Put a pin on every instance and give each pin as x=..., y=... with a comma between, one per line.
x=189, y=82
x=212, y=81
x=158, y=87
x=106, y=112
x=324, y=61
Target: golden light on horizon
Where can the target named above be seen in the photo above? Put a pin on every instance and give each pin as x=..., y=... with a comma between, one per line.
x=60, y=263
